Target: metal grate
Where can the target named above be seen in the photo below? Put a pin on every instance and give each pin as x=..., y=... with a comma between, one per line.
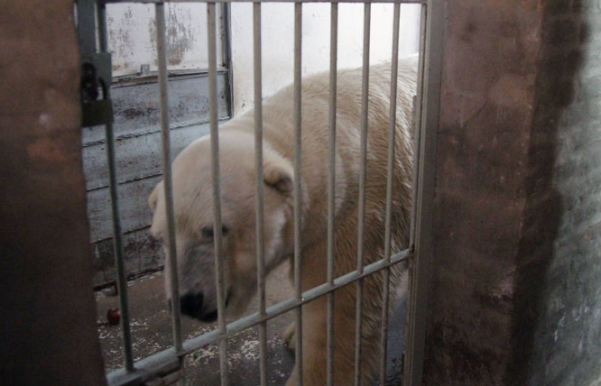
x=166, y=366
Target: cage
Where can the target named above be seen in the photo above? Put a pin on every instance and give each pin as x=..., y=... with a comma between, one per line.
x=122, y=106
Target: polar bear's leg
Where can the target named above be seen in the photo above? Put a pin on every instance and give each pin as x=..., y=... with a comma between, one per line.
x=314, y=331
x=315, y=342
x=314, y=345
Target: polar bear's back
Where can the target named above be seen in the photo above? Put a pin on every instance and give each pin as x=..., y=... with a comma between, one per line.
x=278, y=126
x=278, y=110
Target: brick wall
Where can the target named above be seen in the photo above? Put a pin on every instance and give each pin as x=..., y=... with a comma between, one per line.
x=514, y=296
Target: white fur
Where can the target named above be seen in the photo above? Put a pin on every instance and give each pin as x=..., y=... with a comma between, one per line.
x=194, y=208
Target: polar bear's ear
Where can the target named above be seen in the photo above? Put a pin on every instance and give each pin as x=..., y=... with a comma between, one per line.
x=154, y=196
x=279, y=177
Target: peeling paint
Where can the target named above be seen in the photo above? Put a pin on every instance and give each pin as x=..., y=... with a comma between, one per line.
x=132, y=37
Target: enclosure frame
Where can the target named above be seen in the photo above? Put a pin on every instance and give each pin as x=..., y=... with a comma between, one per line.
x=166, y=366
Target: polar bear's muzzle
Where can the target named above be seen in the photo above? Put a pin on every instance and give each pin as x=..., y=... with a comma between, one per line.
x=192, y=305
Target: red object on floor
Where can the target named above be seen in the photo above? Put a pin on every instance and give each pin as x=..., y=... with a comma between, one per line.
x=113, y=316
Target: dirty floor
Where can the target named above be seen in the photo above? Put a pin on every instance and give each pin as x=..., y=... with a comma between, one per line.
x=151, y=332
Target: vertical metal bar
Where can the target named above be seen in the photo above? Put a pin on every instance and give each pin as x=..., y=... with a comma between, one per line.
x=217, y=226
x=298, y=28
x=116, y=213
x=102, y=28
x=417, y=117
x=389, y=187
x=362, y=178
x=167, y=177
x=259, y=194
x=417, y=120
x=86, y=26
x=417, y=134
x=332, y=187
x=430, y=111
x=226, y=52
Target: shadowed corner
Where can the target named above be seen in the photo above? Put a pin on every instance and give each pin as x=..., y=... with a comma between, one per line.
x=543, y=294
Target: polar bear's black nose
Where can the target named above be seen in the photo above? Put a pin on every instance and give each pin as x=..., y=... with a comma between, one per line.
x=191, y=304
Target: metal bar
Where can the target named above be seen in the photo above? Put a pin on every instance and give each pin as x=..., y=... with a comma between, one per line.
x=217, y=226
x=417, y=121
x=154, y=363
x=116, y=213
x=292, y=303
x=332, y=188
x=410, y=315
x=86, y=25
x=167, y=177
x=102, y=28
x=298, y=44
x=389, y=187
x=226, y=52
x=265, y=1
x=259, y=194
x=417, y=133
x=430, y=111
x=362, y=183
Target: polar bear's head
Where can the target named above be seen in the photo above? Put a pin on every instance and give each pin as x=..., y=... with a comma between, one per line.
x=193, y=204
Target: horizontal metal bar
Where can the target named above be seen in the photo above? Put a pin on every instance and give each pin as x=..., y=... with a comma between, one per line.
x=158, y=362
x=268, y=1
x=163, y=362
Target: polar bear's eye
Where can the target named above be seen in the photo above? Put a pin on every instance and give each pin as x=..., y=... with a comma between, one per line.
x=207, y=232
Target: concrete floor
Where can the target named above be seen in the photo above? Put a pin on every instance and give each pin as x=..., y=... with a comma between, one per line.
x=151, y=332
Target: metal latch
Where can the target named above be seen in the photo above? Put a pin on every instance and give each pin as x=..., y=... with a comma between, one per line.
x=96, y=78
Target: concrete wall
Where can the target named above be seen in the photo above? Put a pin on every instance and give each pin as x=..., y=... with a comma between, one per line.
x=48, y=326
x=516, y=275
x=559, y=307
x=132, y=39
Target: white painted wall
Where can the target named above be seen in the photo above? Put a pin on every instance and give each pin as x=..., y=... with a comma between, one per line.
x=278, y=42
x=132, y=39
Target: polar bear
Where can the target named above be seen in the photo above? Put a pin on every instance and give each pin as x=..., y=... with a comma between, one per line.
x=192, y=188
